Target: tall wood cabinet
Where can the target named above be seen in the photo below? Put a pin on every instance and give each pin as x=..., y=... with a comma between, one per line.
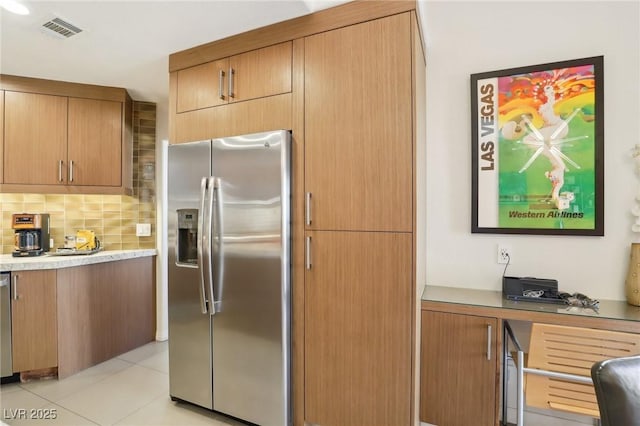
x=459, y=369
x=359, y=181
x=354, y=110
x=64, y=137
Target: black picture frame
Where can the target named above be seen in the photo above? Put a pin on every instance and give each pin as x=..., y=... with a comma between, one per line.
x=538, y=149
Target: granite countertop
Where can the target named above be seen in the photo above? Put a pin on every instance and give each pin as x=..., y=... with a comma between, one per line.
x=9, y=263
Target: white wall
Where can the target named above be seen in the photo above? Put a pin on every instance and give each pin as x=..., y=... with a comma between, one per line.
x=470, y=37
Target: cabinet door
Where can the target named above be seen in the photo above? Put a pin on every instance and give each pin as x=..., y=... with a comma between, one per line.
x=358, y=329
x=95, y=142
x=35, y=141
x=202, y=86
x=459, y=375
x=358, y=137
x=260, y=73
x=33, y=320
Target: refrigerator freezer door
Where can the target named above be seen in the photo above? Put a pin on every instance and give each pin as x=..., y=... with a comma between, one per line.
x=251, y=263
x=189, y=329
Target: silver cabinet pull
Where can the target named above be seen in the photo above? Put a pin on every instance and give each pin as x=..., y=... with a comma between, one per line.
x=71, y=171
x=221, y=84
x=15, y=288
x=489, y=335
x=231, y=73
x=308, y=254
x=307, y=216
x=60, y=163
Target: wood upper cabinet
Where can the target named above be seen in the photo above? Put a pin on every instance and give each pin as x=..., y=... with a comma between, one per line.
x=255, y=74
x=95, y=142
x=358, y=329
x=34, y=320
x=35, y=138
x=459, y=369
x=62, y=137
x=358, y=126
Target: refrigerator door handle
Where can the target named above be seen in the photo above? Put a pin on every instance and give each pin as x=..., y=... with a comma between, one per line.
x=219, y=262
x=208, y=238
x=202, y=240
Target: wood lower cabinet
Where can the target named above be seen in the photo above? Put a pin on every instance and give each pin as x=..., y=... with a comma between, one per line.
x=73, y=318
x=104, y=310
x=34, y=320
x=358, y=329
x=251, y=75
x=459, y=369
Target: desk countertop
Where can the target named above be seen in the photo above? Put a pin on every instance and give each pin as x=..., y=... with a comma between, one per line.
x=9, y=263
x=616, y=314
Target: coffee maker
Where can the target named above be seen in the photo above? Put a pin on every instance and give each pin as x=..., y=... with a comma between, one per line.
x=31, y=234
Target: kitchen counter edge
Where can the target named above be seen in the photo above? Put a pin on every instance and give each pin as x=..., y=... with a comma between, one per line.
x=9, y=263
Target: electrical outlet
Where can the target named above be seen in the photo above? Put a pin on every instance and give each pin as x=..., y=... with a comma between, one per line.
x=143, y=229
x=504, y=254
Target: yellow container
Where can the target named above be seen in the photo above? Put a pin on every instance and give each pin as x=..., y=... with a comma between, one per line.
x=85, y=240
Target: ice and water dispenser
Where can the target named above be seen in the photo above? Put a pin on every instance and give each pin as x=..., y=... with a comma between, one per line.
x=188, y=236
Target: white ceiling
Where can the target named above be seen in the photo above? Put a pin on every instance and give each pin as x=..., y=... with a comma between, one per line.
x=127, y=43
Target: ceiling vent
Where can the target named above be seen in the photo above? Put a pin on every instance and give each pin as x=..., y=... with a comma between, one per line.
x=60, y=28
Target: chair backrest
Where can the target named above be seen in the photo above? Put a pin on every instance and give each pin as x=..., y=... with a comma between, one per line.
x=617, y=385
x=571, y=350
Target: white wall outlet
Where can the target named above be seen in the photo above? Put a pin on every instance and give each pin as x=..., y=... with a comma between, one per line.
x=143, y=229
x=505, y=254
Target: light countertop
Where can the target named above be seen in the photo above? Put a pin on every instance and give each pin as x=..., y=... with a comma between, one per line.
x=9, y=263
x=494, y=300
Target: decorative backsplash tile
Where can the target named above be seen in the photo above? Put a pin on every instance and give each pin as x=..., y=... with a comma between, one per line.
x=112, y=217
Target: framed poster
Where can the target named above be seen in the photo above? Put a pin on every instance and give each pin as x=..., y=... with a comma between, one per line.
x=538, y=149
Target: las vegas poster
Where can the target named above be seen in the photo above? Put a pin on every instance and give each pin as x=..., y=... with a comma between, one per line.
x=537, y=141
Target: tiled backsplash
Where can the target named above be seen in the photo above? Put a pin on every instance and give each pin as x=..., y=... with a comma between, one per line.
x=112, y=217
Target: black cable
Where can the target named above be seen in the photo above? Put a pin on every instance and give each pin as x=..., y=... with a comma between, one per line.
x=507, y=265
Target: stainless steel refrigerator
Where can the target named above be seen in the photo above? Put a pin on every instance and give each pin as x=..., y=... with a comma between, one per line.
x=229, y=275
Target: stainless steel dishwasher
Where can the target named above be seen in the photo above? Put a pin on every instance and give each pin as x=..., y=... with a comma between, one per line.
x=6, y=368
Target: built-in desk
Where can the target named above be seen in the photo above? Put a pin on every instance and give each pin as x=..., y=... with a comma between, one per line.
x=461, y=347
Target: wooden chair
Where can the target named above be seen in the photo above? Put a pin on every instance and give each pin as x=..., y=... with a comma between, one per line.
x=559, y=366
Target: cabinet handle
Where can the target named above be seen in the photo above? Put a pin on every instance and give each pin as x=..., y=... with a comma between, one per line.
x=71, y=171
x=60, y=163
x=15, y=288
x=221, y=84
x=308, y=254
x=489, y=335
x=231, y=73
x=307, y=216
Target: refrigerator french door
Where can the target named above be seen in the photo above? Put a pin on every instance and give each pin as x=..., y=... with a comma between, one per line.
x=229, y=275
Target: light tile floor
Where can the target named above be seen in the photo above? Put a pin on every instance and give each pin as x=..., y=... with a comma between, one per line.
x=131, y=389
